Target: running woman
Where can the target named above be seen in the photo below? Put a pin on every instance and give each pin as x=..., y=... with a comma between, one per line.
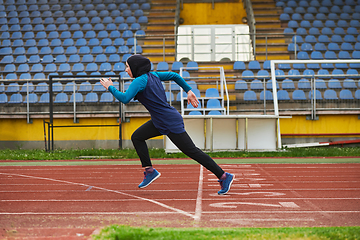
x=147, y=88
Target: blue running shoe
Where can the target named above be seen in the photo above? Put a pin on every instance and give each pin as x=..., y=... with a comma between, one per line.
x=226, y=184
x=149, y=178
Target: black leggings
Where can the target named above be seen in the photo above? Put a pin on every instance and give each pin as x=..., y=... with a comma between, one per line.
x=181, y=140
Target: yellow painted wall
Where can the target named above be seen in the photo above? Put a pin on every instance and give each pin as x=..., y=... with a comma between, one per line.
x=19, y=130
x=325, y=124
x=203, y=13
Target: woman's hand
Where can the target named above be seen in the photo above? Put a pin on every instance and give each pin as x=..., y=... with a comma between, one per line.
x=106, y=82
x=191, y=98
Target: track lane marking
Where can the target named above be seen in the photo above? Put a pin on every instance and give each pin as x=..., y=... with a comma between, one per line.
x=108, y=190
x=198, y=205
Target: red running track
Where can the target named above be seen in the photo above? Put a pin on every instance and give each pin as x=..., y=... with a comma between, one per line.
x=79, y=199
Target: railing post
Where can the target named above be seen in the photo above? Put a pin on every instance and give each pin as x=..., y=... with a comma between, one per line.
x=74, y=91
x=164, y=49
x=27, y=103
x=264, y=91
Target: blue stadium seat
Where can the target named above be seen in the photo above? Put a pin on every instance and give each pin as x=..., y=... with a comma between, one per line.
x=23, y=59
x=64, y=67
x=330, y=55
x=192, y=84
x=288, y=84
x=214, y=112
x=125, y=57
x=91, y=67
x=320, y=84
x=239, y=65
x=85, y=87
x=98, y=87
x=41, y=87
x=314, y=31
x=294, y=74
x=69, y=87
x=16, y=98
x=254, y=65
x=78, y=67
x=37, y=68
x=310, y=39
x=88, y=58
x=309, y=72
x=337, y=72
x=247, y=74
x=263, y=74
x=284, y=66
x=213, y=103
x=298, y=95
x=212, y=92
x=162, y=66
x=44, y=98
x=50, y=68
x=123, y=49
x=91, y=98
x=74, y=58
x=3, y=98
x=346, y=94
x=106, y=97
x=303, y=56
x=336, y=39
x=169, y=96
x=333, y=47
x=330, y=94
x=346, y=46
x=193, y=66
x=13, y=88
x=26, y=85
x=105, y=67
x=304, y=84
x=266, y=65
x=119, y=67
x=61, y=98
x=176, y=66
x=78, y=97
x=241, y=85
x=11, y=76
x=8, y=59
x=32, y=98
x=283, y=95
x=250, y=96
x=23, y=68
x=351, y=71
x=86, y=50
x=268, y=95
x=307, y=47
x=279, y=74
x=357, y=94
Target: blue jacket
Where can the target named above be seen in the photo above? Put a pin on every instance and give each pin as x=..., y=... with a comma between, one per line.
x=149, y=90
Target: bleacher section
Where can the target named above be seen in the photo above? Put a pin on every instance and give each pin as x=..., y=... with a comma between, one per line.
x=40, y=38
x=69, y=36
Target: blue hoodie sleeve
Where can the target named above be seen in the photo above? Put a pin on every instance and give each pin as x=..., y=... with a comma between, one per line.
x=167, y=76
x=136, y=86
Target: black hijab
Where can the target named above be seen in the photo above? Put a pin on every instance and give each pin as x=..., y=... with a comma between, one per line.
x=139, y=65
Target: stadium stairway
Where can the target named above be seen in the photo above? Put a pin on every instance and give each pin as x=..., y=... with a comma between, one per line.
x=161, y=22
x=267, y=17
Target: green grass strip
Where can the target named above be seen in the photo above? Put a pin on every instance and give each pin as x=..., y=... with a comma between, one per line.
x=73, y=154
x=184, y=161
x=117, y=232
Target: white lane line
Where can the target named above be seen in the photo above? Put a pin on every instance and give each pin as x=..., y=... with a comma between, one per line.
x=266, y=194
x=234, y=204
x=108, y=190
x=150, y=213
x=241, y=220
x=198, y=207
x=289, y=204
x=180, y=199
